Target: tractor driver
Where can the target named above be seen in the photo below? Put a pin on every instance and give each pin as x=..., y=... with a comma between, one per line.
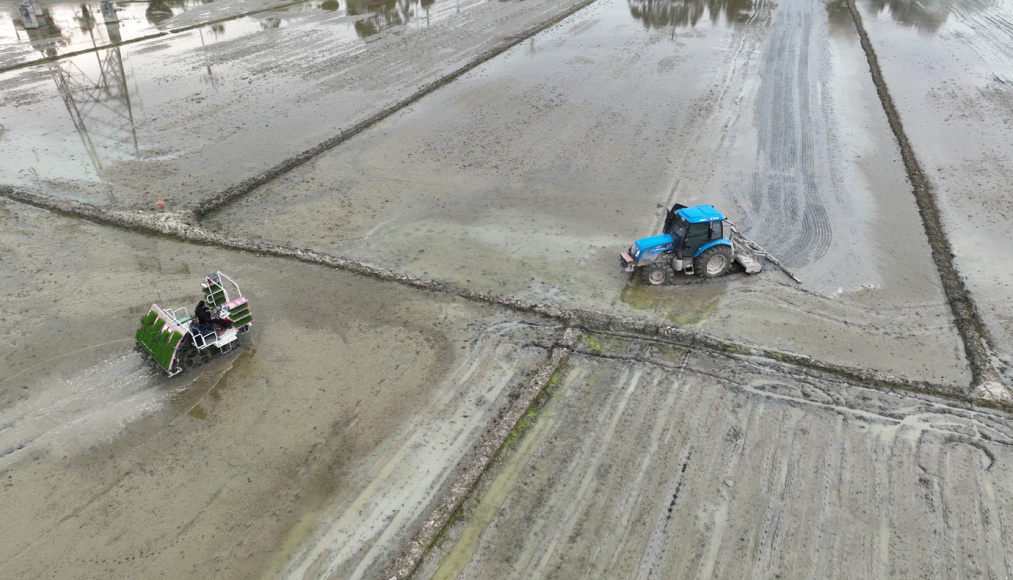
x=676, y=227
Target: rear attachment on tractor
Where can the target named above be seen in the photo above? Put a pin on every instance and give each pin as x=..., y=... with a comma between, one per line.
x=696, y=241
x=177, y=341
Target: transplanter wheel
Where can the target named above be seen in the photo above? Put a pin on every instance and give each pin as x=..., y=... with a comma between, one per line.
x=713, y=262
x=190, y=358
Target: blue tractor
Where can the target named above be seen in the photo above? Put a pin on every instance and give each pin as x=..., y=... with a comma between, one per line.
x=694, y=241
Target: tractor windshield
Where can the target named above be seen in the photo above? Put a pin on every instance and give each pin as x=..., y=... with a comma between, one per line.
x=677, y=227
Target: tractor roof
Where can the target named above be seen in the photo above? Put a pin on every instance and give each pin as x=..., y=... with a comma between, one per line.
x=700, y=214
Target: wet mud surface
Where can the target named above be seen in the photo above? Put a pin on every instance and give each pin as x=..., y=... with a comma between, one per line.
x=528, y=175
x=424, y=201
x=686, y=466
x=958, y=117
x=266, y=461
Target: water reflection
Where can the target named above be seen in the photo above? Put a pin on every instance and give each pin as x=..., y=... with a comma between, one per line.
x=85, y=18
x=49, y=36
x=93, y=87
x=75, y=26
x=839, y=18
x=94, y=90
x=683, y=13
x=217, y=31
x=385, y=13
x=157, y=12
x=925, y=16
x=679, y=304
x=160, y=10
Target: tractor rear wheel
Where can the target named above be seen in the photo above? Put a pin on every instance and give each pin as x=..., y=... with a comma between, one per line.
x=713, y=262
x=657, y=273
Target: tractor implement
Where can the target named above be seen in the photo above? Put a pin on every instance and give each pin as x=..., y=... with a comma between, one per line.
x=754, y=249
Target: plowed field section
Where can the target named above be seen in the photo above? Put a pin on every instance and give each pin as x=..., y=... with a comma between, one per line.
x=645, y=471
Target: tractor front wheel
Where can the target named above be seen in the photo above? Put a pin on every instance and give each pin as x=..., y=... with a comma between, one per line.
x=713, y=262
x=657, y=273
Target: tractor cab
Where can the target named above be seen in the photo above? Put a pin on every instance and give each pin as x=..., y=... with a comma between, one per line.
x=692, y=227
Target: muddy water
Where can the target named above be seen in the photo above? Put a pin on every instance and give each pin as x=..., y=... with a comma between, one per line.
x=317, y=445
x=949, y=70
x=530, y=174
x=72, y=27
x=96, y=125
x=701, y=467
x=192, y=113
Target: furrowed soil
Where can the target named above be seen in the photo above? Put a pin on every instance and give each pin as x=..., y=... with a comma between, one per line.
x=687, y=465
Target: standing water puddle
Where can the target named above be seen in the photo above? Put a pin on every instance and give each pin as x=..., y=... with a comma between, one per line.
x=68, y=28
x=73, y=118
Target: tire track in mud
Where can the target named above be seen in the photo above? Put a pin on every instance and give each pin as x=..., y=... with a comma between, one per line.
x=745, y=467
x=973, y=332
x=486, y=450
x=355, y=541
x=990, y=36
x=785, y=195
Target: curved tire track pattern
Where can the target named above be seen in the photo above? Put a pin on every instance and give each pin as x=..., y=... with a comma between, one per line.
x=787, y=208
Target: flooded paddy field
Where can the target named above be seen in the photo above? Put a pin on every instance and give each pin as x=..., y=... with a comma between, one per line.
x=685, y=465
x=527, y=176
x=319, y=444
x=472, y=164
x=67, y=27
x=191, y=113
x=949, y=68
